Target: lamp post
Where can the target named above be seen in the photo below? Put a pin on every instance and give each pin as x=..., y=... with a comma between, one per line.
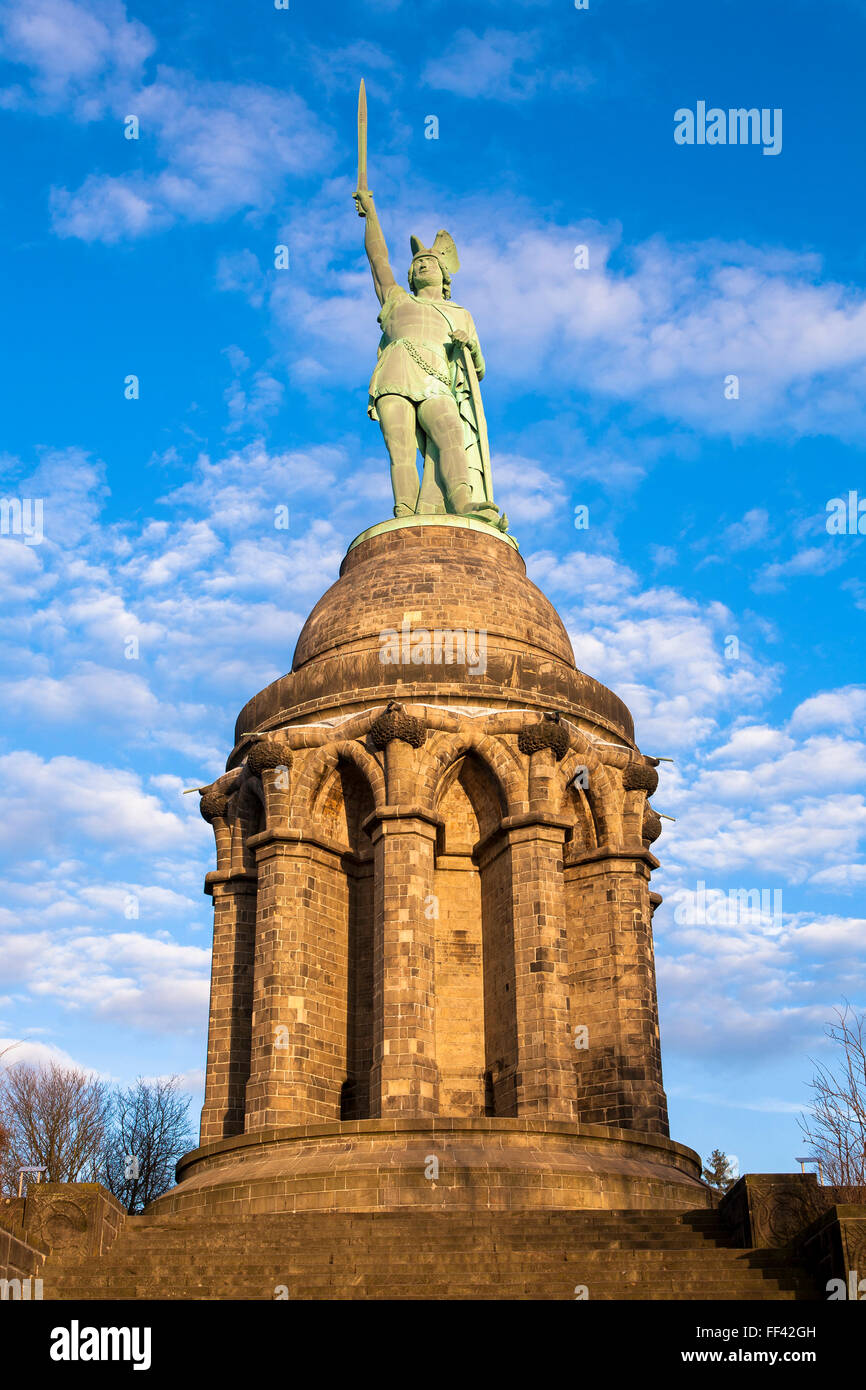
x=22, y=1171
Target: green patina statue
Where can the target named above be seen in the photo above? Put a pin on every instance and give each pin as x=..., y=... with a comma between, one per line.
x=424, y=389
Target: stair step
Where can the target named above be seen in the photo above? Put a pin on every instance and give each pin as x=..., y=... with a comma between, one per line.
x=422, y=1255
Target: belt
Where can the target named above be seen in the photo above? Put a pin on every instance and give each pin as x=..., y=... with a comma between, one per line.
x=413, y=344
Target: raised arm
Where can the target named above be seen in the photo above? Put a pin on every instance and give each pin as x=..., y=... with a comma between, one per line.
x=374, y=244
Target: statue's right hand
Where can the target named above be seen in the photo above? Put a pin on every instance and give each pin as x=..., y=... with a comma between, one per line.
x=363, y=199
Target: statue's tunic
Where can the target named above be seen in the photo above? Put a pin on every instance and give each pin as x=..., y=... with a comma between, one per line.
x=416, y=357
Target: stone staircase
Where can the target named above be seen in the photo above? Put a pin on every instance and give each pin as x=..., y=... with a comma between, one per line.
x=431, y=1255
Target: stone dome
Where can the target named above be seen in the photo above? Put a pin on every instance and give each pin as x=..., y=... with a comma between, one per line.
x=446, y=577
x=452, y=577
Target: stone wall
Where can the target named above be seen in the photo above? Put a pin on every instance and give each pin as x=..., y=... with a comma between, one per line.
x=20, y=1267
x=76, y=1219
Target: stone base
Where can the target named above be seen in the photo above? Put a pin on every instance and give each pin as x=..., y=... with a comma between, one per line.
x=483, y=1164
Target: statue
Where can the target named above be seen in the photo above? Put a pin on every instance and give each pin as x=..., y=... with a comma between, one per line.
x=424, y=390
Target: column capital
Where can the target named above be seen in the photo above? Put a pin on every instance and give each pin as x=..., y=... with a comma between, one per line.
x=596, y=860
x=529, y=825
x=228, y=881
x=402, y=820
x=266, y=843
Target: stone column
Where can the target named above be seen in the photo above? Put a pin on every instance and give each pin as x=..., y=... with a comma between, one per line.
x=299, y=1024
x=614, y=991
x=231, y=1001
x=404, y=1076
x=544, y=1081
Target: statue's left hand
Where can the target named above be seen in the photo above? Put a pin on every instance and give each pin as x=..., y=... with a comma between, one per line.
x=462, y=339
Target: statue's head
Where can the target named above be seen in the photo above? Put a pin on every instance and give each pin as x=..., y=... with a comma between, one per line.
x=433, y=265
x=426, y=272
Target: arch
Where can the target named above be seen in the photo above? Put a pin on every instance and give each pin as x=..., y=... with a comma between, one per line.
x=469, y=798
x=444, y=750
x=319, y=771
x=246, y=814
x=476, y=1028
x=345, y=785
x=597, y=799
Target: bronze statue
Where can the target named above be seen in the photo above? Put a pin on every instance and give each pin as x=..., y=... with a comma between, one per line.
x=424, y=389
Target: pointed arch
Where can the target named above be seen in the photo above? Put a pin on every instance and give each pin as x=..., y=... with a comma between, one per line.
x=246, y=815
x=445, y=750
x=361, y=792
x=597, y=799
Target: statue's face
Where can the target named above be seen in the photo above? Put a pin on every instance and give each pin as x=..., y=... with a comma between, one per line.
x=426, y=271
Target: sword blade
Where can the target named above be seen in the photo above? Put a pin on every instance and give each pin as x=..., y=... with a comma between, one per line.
x=362, y=136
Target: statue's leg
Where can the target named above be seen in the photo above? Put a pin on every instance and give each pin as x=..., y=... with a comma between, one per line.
x=431, y=500
x=397, y=418
x=440, y=418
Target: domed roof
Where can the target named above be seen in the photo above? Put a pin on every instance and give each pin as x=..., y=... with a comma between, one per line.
x=446, y=577
x=434, y=577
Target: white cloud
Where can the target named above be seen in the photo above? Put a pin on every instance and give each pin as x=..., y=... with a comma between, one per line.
x=36, y=1054
x=844, y=709
x=499, y=65
x=661, y=652
x=829, y=935
x=533, y=494
x=752, y=743
x=840, y=878
x=813, y=560
x=753, y=528
x=63, y=800
x=223, y=146
x=76, y=53
x=148, y=982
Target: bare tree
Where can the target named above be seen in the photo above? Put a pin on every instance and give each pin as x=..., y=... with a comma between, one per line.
x=836, y=1125
x=149, y=1132
x=54, y=1117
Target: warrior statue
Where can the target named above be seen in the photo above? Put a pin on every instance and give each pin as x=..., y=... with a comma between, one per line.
x=424, y=389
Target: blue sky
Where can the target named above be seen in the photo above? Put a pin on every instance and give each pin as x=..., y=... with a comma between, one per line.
x=605, y=387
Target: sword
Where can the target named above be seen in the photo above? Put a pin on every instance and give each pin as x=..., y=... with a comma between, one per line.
x=480, y=421
x=362, y=138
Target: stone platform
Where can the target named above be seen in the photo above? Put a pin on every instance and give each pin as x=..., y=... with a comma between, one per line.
x=453, y=1164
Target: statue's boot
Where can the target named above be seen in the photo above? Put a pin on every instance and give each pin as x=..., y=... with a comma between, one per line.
x=404, y=481
x=461, y=501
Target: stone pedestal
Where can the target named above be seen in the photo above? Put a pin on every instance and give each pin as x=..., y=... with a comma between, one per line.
x=432, y=905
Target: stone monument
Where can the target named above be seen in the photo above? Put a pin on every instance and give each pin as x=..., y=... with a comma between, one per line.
x=433, y=1063
x=432, y=905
